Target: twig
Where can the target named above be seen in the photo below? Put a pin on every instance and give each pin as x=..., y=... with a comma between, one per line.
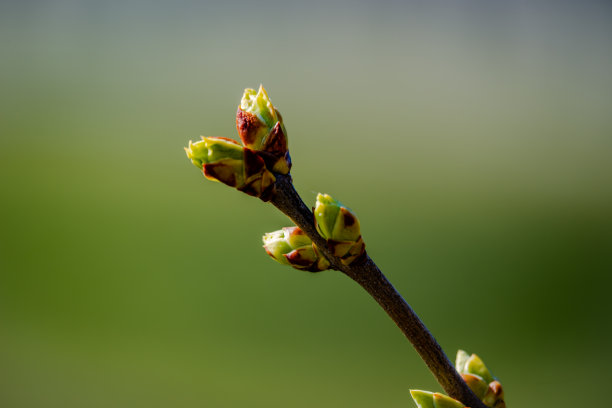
x=365, y=272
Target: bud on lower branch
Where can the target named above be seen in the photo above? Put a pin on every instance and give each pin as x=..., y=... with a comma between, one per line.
x=291, y=246
x=225, y=160
x=340, y=227
x=426, y=399
x=260, y=127
x=479, y=379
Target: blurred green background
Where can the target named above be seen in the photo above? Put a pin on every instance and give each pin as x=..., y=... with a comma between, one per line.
x=473, y=139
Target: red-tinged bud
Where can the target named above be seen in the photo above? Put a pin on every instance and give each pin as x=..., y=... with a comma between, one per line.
x=260, y=127
x=340, y=227
x=291, y=246
x=494, y=396
x=226, y=161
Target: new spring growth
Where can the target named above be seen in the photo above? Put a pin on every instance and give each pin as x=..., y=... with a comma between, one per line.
x=340, y=227
x=248, y=168
x=479, y=379
x=426, y=399
x=291, y=246
x=213, y=149
x=225, y=160
x=260, y=127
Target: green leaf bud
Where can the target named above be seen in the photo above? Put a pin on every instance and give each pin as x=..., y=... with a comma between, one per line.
x=423, y=399
x=426, y=399
x=291, y=246
x=258, y=103
x=277, y=245
x=443, y=401
x=475, y=365
x=225, y=160
x=479, y=379
x=260, y=127
x=340, y=227
x=211, y=149
x=197, y=152
x=476, y=384
x=334, y=220
x=462, y=358
x=472, y=365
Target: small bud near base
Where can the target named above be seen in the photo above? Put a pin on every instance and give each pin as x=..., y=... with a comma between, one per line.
x=426, y=399
x=479, y=379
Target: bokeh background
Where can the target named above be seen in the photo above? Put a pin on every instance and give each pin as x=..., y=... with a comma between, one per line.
x=473, y=138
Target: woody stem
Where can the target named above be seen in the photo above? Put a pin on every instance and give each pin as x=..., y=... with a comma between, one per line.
x=365, y=272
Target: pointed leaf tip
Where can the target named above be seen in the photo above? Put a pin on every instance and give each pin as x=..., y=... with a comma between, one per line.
x=443, y=401
x=475, y=365
x=423, y=399
x=462, y=357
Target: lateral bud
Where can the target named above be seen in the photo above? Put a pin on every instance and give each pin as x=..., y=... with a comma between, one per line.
x=479, y=379
x=340, y=227
x=426, y=399
x=291, y=246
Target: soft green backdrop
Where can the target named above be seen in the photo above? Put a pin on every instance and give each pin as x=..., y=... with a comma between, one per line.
x=472, y=138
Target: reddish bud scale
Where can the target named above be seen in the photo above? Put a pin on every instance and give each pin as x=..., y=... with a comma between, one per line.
x=306, y=259
x=302, y=259
x=271, y=144
x=494, y=396
x=250, y=166
x=291, y=246
x=250, y=129
x=249, y=175
x=340, y=228
x=347, y=251
x=224, y=171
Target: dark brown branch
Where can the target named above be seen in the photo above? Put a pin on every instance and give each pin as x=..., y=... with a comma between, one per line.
x=365, y=272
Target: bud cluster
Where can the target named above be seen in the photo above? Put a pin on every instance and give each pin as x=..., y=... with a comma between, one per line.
x=248, y=167
x=479, y=379
x=225, y=160
x=334, y=222
x=253, y=167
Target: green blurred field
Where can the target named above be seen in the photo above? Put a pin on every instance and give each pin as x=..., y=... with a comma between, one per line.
x=472, y=140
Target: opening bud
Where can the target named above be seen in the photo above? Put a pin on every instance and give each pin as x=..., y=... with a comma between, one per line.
x=211, y=149
x=258, y=103
x=260, y=127
x=291, y=246
x=225, y=160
